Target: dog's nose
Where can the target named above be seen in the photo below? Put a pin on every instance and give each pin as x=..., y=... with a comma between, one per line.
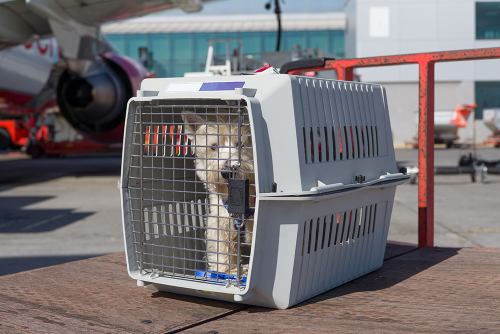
x=226, y=173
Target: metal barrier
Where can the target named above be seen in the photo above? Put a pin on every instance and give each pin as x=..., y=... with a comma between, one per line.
x=426, y=61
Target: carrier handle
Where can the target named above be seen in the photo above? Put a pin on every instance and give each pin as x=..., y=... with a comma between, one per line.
x=313, y=64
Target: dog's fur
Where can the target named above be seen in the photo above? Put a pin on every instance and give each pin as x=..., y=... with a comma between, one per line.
x=216, y=152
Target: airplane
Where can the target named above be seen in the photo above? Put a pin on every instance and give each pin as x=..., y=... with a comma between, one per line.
x=56, y=47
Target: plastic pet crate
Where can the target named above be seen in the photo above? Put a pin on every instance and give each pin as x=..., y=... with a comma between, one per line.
x=261, y=189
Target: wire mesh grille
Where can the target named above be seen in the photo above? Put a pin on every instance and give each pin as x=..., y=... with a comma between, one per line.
x=182, y=157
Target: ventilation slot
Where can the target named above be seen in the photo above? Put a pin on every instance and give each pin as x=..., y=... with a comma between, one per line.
x=339, y=121
x=344, y=226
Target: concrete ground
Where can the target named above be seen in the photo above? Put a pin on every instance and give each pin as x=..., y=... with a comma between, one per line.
x=59, y=210
x=466, y=214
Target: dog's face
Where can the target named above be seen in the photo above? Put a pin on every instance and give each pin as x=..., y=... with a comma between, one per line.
x=215, y=140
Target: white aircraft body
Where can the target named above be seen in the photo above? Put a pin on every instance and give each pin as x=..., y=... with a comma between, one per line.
x=55, y=48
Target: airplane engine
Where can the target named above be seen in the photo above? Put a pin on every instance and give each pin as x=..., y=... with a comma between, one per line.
x=95, y=104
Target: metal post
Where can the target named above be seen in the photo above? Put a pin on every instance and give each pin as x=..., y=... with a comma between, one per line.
x=141, y=229
x=344, y=73
x=426, y=155
x=209, y=56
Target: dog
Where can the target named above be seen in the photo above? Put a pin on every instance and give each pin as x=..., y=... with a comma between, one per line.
x=215, y=142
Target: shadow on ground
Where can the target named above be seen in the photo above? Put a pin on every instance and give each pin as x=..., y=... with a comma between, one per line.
x=15, y=219
x=26, y=171
x=392, y=272
x=14, y=265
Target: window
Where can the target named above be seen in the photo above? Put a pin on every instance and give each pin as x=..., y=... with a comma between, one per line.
x=487, y=20
x=487, y=96
x=173, y=54
x=133, y=43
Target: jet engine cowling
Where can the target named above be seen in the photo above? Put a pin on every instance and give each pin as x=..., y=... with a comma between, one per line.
x=95, y=103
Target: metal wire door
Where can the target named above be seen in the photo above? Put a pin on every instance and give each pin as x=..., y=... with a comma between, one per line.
x=185, y=155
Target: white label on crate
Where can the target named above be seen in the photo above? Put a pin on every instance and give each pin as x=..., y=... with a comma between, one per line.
x=184, y=87
x=204, y=86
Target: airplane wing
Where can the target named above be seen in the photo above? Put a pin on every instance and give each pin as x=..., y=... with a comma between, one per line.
x=24, y=20
x=19, y=24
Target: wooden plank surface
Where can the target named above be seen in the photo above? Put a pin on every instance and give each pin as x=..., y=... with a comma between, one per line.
x=426, y=290
x=95, y=296
x=430, y=290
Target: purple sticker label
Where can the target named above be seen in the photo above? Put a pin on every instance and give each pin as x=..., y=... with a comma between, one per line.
x=212, y=86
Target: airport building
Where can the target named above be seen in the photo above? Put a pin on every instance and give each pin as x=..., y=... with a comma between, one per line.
x=387, y=27
x=177, y=44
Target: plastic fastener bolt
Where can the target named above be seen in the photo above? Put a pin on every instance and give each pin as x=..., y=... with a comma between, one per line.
x=359, y=178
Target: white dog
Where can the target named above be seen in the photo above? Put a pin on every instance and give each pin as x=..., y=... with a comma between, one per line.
x=215, y=139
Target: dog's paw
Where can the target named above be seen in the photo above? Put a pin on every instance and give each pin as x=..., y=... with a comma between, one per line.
x=243, y=271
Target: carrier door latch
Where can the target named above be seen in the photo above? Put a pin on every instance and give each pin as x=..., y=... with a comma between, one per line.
x=238, y=194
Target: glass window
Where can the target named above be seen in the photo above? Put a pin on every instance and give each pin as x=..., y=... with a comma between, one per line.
x=173, y=54
x=293, y=37
x=182, y=66
x=201, y=45
x=318, y=40
x=159, y=45
x=118, y=41
x=251, y=42
x=220, y=47
x=269, y=41
x=162, y=68
x=182, y=46
x=337, y=43
x=487, y=20
x=487, y=96
x=132, y=44
x=201, y=49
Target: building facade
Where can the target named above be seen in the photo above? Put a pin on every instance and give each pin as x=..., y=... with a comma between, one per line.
x=178, y=44
x=387, y=27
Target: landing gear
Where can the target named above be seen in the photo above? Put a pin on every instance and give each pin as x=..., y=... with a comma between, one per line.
x=35, y=151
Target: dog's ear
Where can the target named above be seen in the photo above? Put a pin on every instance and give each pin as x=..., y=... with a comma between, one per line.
x=192, y=122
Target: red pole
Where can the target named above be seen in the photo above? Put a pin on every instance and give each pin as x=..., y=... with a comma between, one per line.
x=343, y=72
x=426, y=154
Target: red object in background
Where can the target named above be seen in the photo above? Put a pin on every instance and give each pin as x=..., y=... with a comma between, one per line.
x=426, y=61
x=16, y=130
x=43, y=133
x=31, y=121
x=462, y=114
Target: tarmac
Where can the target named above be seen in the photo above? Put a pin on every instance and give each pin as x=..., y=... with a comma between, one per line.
x=58, y=210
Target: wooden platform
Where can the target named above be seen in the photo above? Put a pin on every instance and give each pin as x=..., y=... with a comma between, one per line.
x=427, y=290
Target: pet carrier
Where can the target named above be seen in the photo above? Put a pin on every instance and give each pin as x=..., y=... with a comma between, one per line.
x=261, y=189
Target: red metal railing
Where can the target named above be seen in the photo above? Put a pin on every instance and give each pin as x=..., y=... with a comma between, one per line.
x=426, y=61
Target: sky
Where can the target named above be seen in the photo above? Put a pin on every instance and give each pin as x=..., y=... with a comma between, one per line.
x=257, y=7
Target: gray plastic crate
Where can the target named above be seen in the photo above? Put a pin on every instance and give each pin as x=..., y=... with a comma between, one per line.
x=320, y=195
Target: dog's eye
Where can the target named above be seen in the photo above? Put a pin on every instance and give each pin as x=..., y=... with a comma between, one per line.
x=214, y=147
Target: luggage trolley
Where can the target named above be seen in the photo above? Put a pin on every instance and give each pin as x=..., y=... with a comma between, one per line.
x=314, y=212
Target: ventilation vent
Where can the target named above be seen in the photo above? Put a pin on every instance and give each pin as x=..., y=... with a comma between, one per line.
x=327, y=231
x=339, y=119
